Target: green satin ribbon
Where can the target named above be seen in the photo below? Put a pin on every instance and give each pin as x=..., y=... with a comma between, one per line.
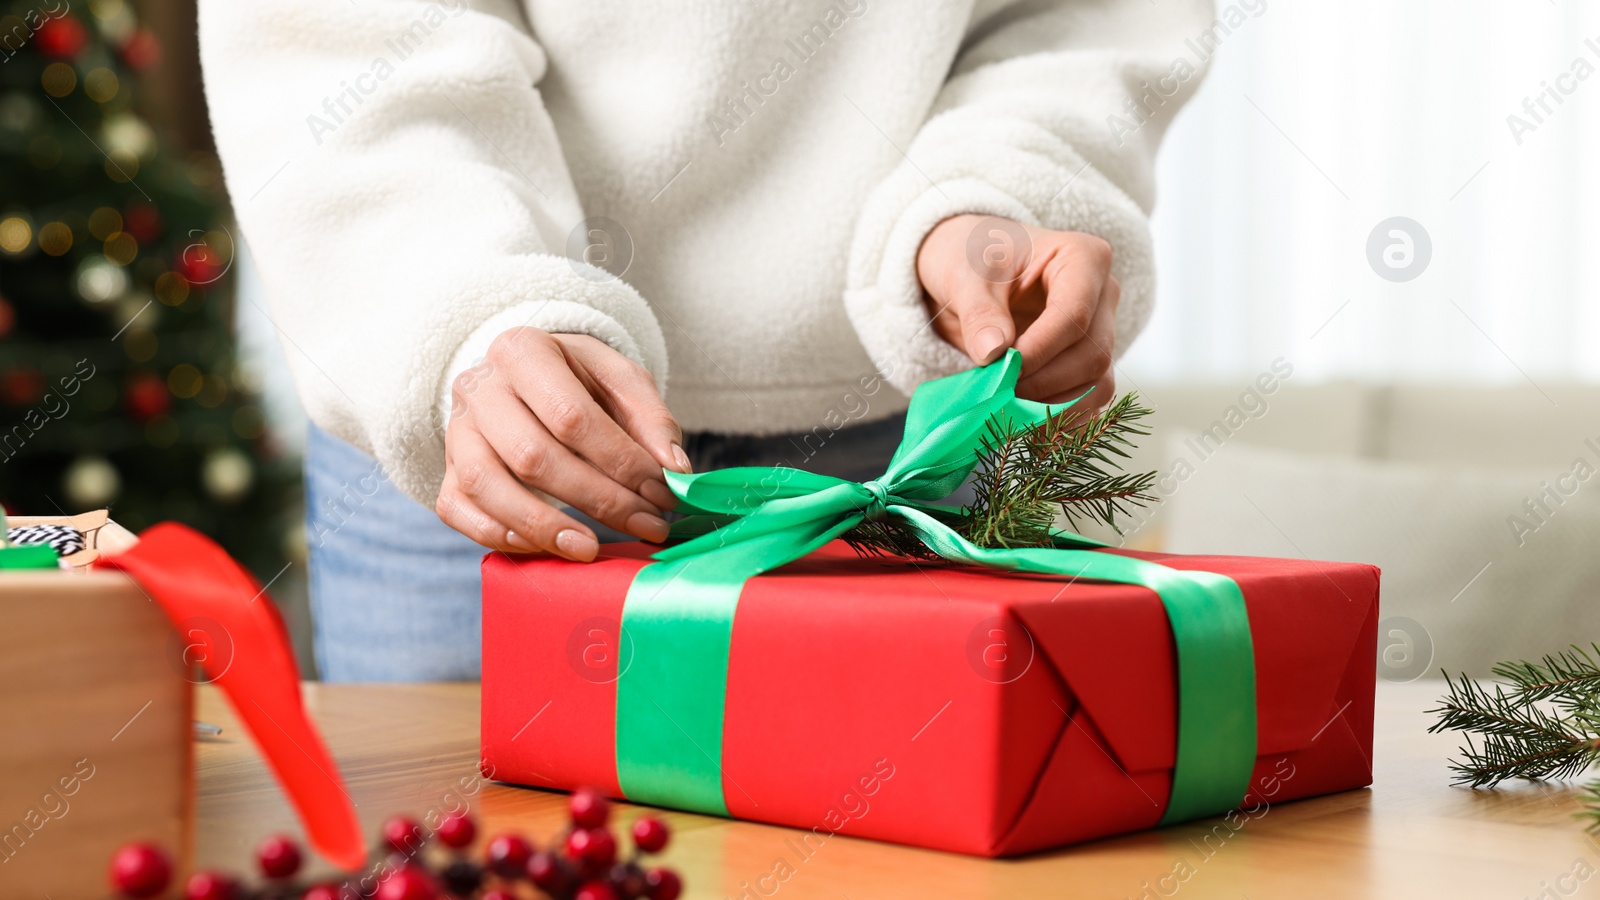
x=679, y=610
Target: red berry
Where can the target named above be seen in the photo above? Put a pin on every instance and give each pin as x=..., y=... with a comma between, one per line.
x=628, y=880
x=278, y=857
x=650, y=834
x=589, y=808
x=461, y=877
x=210, y=886
x=662, y=884
x=549, y=873
x=595, y=890
x=594, y=847
x=407, y=883
x=508, y=855
x=403, y=834
x=457, y=831
x=140, y=870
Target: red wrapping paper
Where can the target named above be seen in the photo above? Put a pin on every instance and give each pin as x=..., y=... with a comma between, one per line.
x=942, y=706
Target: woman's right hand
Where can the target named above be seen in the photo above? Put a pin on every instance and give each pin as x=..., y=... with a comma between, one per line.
x=570, y=416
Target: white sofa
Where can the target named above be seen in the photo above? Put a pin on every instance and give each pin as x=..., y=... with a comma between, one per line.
x=1480, y=504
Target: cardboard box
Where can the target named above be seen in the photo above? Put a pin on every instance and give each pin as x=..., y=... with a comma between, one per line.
x=95, y=722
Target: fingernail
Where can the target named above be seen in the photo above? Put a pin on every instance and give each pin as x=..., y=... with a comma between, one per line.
x=651, y=528
x=520, y=542
x=682, y=459
x=576, y=545
x=986, y=343
x=658, y=493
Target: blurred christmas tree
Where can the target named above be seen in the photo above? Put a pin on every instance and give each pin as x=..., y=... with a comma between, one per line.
x=118, y=381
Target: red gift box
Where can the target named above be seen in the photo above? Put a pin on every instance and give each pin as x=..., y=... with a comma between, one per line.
x=945, y=706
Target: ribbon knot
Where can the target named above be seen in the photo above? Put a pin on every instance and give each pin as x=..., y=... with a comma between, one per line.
x=878, y=507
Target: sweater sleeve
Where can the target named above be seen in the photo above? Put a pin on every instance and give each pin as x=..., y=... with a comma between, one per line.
x=1051, y=116
x=403, y=192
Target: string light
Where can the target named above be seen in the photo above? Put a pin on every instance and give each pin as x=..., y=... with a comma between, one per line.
x=104, y=222
x=58, y=79
x=101, y=85
x=55, y=238
x=16, y=235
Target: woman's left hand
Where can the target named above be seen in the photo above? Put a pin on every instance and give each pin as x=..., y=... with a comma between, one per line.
x=994, y=283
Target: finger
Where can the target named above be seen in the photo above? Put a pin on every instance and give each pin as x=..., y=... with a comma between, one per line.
x=459, y=512
x=1091, y=397
x=481, y=499
x=1081, y=363
x=1075, y=290
x=626, y=390
x=985, y=322
x=535, y=527
x=552, y=389
x=530, y=453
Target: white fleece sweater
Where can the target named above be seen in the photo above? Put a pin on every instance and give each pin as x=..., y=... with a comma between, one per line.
x=413, y=178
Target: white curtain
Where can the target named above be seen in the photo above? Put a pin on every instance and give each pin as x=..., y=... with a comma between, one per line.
x=1320, y=120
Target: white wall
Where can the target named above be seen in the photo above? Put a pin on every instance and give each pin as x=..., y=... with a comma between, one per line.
x=1370, y=109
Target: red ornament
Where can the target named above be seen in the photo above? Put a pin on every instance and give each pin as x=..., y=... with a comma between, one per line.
x=322, y=892
x=589, y=808
x=210, y=886
x=650, y=834
x=200, y=265
x=595, y=890
x=141, y=50
x=508, y=855
x=457, y=831
x=140, y=870
x=62, y=38
x=145, y=396
x=143, y=222
x=22, y=386
x=407, y=883
x=279, y=857
x=662, y=884
x=549, y=873
x=404, y=835
x=498, y=894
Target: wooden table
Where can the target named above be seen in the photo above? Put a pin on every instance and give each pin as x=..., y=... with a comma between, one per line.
x=414, y=749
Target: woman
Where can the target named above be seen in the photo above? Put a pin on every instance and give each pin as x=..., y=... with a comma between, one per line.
x=488, y=229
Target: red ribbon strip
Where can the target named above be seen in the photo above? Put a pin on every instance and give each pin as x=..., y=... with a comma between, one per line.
x=194, y=580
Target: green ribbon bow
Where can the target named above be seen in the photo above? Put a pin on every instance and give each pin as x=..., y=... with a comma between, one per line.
x=679, y=610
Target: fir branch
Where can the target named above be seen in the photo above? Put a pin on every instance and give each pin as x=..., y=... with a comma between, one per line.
x=1589, y=798
x=1008, y=508
x=1069, y=465
x=1570, y=678
x=887, y=538
x=1520, y=734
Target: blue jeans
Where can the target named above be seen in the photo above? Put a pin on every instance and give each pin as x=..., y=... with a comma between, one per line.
x=395, y=592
